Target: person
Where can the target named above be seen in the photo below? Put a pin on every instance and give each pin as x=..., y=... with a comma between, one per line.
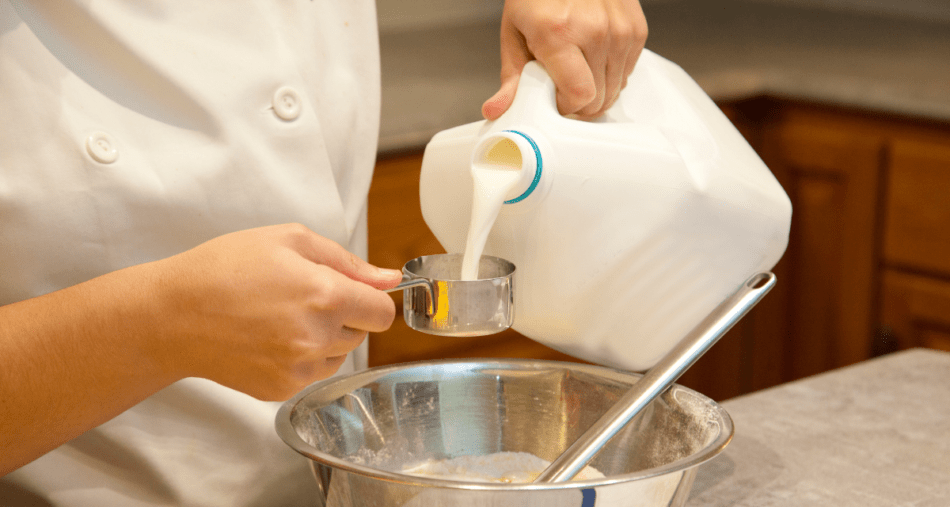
x=183, y=196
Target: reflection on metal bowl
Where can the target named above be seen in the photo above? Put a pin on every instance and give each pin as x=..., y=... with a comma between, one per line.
x=362, y=430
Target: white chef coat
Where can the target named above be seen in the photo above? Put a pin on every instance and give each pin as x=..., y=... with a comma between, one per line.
x=134, y=130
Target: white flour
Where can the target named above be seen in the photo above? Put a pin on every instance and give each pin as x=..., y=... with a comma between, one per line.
x=506, y=467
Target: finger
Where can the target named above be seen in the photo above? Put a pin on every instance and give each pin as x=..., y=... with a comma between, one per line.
x=630, y=64
x=331, y=365
x=331, y=339
x=368, y=310
x=640, y=33
x=351, y=304
x=613, y=87
x=496, y=106
x=573, y=48
x=596, y=50
x=326, y=369
x=326, y=252
x=627, y=35
x=618, y=54
x=573, y=79
x=514, y=56
x=557, y=44
x=598, y=62
x=308, y=372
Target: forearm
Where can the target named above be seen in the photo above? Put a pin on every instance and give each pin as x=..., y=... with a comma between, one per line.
x=265, y=311
x=74, y=359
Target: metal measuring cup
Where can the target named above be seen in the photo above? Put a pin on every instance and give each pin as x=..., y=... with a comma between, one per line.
x=436, y=300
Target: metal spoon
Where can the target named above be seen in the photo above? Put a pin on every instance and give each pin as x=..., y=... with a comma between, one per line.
x=658, y=378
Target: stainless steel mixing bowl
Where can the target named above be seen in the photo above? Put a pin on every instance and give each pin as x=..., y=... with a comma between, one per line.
x=361, y=430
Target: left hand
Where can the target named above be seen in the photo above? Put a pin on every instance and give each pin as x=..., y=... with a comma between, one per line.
x=588, y=47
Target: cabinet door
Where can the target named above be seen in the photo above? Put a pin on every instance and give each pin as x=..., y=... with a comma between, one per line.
x=831, y=166
x=915, y=310
x=917, y=226
x=397, y=232
x=915, y=295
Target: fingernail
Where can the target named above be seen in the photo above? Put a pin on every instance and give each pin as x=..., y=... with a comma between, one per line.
x=389, y=273
x=489, y=107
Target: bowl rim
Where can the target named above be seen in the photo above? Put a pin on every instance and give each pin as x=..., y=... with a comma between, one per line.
x=287, y=433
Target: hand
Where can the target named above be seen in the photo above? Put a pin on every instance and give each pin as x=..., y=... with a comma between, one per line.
x=588, y=47
x=268, y=311
x=265, y=311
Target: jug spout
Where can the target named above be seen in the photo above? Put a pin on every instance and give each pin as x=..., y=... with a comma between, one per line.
x=511, y=150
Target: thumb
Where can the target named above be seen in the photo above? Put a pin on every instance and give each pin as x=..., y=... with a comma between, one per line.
x=329, y=253
x=514, y=56
x=496, y=106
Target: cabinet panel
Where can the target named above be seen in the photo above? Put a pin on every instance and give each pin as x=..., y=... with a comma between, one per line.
x=397, y=232
x=831, y=170
x=933, y=339
x=916, y=309
x=917, y=233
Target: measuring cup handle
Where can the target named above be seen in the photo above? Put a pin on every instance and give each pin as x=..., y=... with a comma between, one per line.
x=409, y=282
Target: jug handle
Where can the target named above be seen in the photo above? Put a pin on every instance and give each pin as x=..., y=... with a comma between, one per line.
x=535, y=98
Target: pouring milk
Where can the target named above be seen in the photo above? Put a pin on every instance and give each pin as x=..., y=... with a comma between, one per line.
x=495, y=174
x=626, y=231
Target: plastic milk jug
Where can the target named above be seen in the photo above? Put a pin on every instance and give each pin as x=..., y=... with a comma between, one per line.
x=625, y=231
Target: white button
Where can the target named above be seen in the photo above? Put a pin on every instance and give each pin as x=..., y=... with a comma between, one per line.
x=287, y=103
x=102, y=148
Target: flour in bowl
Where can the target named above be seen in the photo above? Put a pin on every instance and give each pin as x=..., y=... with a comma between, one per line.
x=506, y=467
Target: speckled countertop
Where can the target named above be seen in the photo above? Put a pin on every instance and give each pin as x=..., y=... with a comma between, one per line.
x=438, y=78
x=873, y=434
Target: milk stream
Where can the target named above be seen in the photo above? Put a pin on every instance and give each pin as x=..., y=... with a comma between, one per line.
x=494, y=177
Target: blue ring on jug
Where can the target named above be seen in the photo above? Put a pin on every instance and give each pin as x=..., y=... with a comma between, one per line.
x=537, y=168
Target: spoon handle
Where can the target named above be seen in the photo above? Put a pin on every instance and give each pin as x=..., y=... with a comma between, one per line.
x=658, y=378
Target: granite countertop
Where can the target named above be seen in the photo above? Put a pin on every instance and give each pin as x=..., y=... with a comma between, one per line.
x=438, y=78
x=873, y=434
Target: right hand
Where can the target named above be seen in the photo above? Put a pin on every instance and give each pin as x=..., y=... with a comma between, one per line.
x=269, y=311
x=588, y=47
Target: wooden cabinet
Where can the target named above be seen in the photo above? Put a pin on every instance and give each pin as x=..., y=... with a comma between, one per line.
x=915, y=295
x=867, y=268
x=915, y=311
x=917, y=221
x=831, y=167
x=870, y=235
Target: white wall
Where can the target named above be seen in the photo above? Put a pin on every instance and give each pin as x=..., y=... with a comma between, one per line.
x=414, y=15
x=927, y=10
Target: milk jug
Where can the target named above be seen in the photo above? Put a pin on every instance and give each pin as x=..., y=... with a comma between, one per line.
x=625, y=231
